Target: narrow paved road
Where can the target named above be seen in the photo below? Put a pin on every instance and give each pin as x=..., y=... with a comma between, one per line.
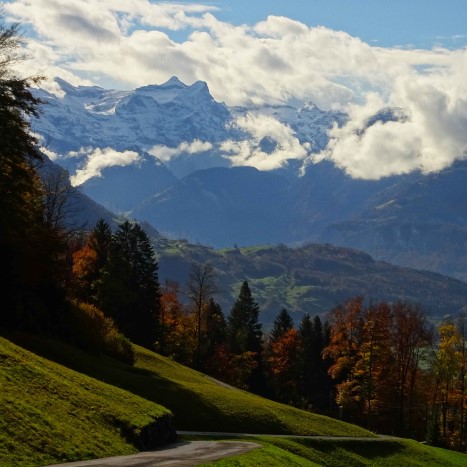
x=192, y=453
x=183, y=453
x=247, y=435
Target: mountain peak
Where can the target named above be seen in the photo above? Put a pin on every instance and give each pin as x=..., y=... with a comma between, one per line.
x=174, y=81
x=310, y=106
x=78, y=91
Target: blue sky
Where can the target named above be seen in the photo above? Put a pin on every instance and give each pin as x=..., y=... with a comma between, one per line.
x=418, y=23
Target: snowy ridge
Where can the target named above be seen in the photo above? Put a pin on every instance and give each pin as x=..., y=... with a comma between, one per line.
x=168, y=114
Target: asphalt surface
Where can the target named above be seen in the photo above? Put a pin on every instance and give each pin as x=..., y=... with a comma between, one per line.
x=183, y=453
x=192, y=453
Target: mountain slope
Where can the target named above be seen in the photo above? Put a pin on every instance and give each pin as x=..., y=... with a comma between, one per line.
x=312, y=278
x=76, y=210
x=130, y=147
x=121, y=190
x=421, y=223
x=221, y=206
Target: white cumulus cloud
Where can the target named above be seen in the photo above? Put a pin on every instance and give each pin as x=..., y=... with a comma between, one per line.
x=98, y=159
x=166, y=153
x=280, y=138
x=430, y=139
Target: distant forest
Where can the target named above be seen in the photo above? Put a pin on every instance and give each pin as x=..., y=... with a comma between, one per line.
x=383, y=365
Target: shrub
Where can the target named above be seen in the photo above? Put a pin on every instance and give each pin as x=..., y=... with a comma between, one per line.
x=95, y=332
x=120, y=347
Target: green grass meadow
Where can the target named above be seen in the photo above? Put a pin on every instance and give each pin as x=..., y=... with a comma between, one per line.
x=198, y=402
x=285, y=452
x=49, y=413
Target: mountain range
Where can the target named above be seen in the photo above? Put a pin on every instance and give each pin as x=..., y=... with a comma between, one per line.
x=171, y=155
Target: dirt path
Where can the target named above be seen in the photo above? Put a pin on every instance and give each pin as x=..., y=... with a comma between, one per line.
x=183, y=453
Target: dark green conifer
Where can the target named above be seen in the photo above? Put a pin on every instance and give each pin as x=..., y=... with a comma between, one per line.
x=244, y=330
x=130, y=291
x=282, y=324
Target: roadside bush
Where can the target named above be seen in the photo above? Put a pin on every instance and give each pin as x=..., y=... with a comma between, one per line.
x=95, y=332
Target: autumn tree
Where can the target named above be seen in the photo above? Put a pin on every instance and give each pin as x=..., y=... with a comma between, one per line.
x=376, y=357
x=343, y=349
x=462, y=397
x=200, y=288
x=449, y=385
x=411, y=337
x=176, y=339
x=373, y=367
x=285, y=366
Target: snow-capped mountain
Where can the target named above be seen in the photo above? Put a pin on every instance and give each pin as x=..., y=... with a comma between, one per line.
x=170, y=153
x=92, y=117
x=121, y=147
x=165, y=116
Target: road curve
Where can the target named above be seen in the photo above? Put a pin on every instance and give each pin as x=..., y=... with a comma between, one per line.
x=182, y=453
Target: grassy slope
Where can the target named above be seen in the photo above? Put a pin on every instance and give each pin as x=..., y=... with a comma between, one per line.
x=63, y=415
x=308, y=452
x=197, y=402
x=49, y=413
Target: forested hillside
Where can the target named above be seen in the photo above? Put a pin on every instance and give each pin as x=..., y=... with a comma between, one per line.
x=313, y=278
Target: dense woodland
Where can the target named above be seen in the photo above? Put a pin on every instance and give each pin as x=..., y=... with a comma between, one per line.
x=383, y=365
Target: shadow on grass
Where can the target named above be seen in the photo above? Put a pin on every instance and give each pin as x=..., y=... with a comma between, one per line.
x=186, y=405
x=367, y=449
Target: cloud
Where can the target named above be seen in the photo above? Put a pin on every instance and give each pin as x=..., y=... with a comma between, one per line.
x=166, y=153
x=271, y=145
x=430, y=139
x=98, y=159
x=130, y=43
x=53, y=156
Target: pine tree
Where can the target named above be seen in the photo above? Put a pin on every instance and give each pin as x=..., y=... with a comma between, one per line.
x=244, y=330
x=315, y=383
x=216, y=331
x=130, y=291
x=281, y=325
x=90, y=262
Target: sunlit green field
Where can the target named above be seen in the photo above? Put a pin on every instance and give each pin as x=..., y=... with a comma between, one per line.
x=308, y=452
x=49, y=413
x=197, y=401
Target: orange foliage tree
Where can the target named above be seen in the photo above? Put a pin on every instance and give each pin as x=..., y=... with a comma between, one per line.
x=284, y=363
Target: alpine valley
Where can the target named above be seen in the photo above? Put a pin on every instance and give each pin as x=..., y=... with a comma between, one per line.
x=172, y=156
